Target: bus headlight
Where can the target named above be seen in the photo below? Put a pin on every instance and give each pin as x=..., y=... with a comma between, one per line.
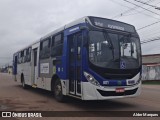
x=91, y=79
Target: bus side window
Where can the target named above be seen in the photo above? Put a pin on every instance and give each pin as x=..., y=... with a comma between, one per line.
x=45, y=48
x=25, y=52
x=22, y=56
x=57, y=45
x=27, y=55
x=18, y=56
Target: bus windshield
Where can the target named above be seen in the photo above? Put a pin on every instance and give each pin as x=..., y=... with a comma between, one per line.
x=116, y=51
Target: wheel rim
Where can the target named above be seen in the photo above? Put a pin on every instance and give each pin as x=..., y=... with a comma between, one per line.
x=58, y=89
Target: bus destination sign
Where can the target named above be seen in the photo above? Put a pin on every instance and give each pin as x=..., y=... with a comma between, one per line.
x=111, y=24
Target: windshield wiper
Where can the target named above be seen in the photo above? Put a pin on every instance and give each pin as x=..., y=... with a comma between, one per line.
x=107, y=38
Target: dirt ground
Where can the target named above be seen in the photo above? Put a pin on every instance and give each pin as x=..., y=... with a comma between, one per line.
x=14, y=98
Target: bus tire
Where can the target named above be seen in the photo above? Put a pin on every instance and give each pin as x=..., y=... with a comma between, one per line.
x=58, y=91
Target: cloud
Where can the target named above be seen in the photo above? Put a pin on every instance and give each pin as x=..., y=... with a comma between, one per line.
x=25, y=21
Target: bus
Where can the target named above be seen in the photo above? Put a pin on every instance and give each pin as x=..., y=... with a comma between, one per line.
x=91, y=58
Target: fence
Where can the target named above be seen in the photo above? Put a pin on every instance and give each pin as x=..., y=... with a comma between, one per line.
x=150, y=72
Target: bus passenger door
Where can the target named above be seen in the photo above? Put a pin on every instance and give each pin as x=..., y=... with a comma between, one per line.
x=34, y=67
x=15, y=65
x=75, y=61
x=15, y=60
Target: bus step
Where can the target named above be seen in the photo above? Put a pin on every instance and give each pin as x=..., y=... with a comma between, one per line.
x=34, y=86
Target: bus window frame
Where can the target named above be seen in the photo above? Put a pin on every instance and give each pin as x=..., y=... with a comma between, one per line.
x=43, y=49
x=27, y=56
x=58, y=45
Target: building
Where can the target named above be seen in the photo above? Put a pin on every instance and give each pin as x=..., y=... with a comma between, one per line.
x=6, y=69
x=151, y=67
x=10, y=69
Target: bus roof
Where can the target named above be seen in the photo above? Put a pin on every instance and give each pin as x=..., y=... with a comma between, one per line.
x=78, y=21
x=83, y=20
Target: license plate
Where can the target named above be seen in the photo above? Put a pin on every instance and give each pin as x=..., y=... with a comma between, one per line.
x=120, y=90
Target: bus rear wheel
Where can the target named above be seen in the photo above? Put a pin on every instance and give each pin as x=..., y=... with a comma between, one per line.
x=58, y=91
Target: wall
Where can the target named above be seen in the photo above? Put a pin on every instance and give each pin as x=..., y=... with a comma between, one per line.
x=10, y=70
x=151, y=72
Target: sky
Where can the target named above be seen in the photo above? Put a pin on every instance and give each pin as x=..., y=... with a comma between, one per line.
x=24, y=21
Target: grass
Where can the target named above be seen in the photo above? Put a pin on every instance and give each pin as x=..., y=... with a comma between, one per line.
x=151, y=82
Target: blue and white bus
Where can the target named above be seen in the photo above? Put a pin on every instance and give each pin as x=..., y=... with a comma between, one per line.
x=91, y=58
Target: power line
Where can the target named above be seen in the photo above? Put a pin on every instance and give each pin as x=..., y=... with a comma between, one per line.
x=150, y=40
x=158, y=8
x=142, y=11
x=132, y=9
x=151, y=33
x=148, y=25
x=138, y=11
x=115, y=1
x=141, y=7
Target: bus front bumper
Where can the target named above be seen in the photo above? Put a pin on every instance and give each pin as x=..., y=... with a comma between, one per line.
x=92, y=92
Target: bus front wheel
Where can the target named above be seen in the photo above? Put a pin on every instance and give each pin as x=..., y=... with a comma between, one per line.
x=58, y=91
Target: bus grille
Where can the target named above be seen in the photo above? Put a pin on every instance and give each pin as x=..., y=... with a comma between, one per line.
x=113, y=93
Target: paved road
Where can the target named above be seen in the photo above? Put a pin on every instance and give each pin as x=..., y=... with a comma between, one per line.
x=14, y=97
